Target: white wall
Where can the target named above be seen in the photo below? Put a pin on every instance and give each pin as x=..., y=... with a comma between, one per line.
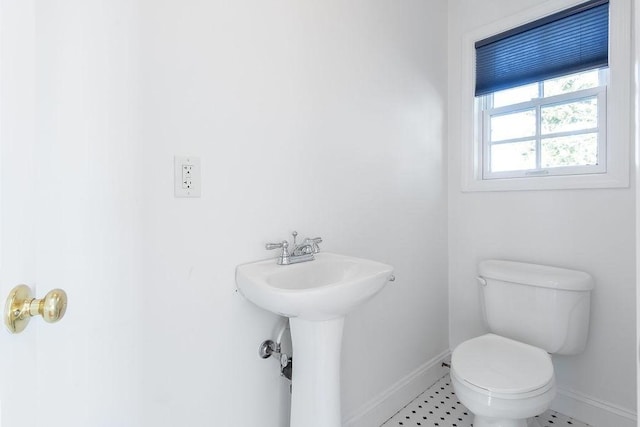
x=590, y=230
x=324, y=117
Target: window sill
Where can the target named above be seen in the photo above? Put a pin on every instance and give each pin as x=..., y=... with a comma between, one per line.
x=558, y=182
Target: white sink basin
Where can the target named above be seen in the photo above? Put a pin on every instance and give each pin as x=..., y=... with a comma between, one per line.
x=326, y=288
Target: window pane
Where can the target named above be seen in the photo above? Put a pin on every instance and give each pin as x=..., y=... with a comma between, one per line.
x=570, y=116
x=574, y=150
x=571, y=83
x=513, y=156
x=515, y=95
x=514, y=125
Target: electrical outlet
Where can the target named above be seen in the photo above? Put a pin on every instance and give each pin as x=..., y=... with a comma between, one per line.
x=186, y=171
x=187, y=174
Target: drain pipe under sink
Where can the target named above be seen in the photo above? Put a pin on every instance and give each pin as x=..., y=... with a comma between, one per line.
x=269, y=347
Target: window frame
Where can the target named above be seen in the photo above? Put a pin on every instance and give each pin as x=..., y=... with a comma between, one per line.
x=486, y=112
x=617, y=111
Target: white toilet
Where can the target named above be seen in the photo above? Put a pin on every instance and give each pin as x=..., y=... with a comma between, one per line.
x=506, y=376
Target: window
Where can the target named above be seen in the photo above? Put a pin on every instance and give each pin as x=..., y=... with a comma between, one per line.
x=551, y=127
x=550, y=103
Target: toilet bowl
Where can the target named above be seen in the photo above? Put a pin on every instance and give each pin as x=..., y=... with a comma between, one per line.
x=502, y=381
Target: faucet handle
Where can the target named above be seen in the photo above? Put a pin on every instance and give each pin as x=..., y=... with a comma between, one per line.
x=284, y=245
x=314, y=244
x=283, y=259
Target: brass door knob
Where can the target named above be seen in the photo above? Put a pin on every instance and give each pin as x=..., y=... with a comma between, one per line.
x=21, y=306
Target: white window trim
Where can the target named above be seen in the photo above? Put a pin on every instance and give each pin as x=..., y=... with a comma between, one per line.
x=619, y=107
x=599, y=92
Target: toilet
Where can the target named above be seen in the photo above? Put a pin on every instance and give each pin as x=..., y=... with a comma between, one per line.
x=506, y=377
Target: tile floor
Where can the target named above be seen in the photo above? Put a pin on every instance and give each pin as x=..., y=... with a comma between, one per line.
x=438, y=407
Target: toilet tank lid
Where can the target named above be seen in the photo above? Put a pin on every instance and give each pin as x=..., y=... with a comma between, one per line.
x=536, y=275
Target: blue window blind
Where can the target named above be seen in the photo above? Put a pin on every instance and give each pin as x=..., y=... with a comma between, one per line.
x=570, y=41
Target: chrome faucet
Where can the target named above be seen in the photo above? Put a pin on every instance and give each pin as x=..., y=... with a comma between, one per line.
x=300, y=253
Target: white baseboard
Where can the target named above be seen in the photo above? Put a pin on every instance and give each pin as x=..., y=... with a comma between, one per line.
x=382, y=407
x=588, y=409
x=593, y=411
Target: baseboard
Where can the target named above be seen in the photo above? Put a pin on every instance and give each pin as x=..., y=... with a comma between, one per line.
x=382, y=407
x=593, y=411
x=588, y=409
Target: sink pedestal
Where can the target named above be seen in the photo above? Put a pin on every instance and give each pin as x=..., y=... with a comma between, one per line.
x=315, y=296
x=315, y=399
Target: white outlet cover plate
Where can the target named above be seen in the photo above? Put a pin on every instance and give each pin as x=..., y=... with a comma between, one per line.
x=180, y=190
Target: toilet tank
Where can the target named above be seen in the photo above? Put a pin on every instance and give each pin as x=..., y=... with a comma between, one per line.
x=547, y=307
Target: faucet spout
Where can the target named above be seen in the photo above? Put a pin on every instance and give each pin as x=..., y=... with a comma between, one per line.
x=300, y=253
x=308, y=246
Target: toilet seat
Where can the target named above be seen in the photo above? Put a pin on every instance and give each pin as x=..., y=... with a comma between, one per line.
x=502, y=367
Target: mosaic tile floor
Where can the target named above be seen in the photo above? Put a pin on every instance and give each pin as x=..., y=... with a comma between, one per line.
x=439, y=407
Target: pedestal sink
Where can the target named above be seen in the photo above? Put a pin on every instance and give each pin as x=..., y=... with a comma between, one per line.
x=315, y=295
